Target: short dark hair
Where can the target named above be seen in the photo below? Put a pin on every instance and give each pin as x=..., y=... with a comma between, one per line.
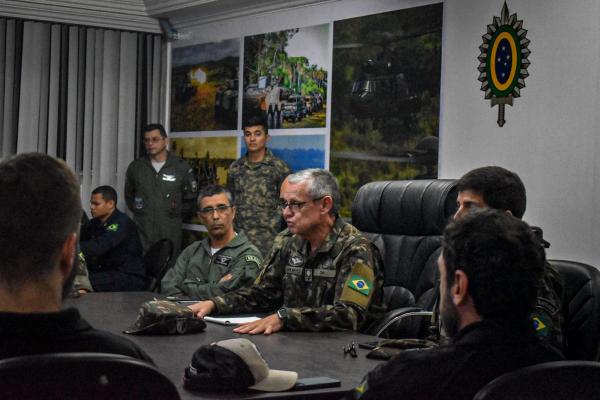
x=256, y=120
x=500, y=188
x=502, y=259
x=153, y=127
x=107, y=192
x=40, y=207
x=212, y=190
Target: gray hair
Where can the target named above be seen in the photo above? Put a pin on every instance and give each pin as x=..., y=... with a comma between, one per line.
x=320, y=183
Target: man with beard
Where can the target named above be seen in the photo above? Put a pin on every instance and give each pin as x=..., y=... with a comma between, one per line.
x=490, y=267
x=40, y=210
x=222, y=262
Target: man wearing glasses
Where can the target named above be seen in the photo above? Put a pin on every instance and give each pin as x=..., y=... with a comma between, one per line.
x=159, y=188
x=321, y=274
x=222, y=262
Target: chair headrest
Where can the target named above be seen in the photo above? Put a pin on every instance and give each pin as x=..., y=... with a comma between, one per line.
x=418, y=207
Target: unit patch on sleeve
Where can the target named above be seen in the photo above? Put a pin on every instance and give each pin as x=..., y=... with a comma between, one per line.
x=254, y=259
x=358, y=286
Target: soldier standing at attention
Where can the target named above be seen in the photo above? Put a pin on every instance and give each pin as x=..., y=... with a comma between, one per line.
x=322, y=273
x=159, y=189
x=254, y=180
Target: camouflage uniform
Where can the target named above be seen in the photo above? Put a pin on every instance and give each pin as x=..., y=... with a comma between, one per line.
x=158, y=200
x=337, y=287
x=82, y=278
x=197, y=273
x=255, y=187
x=166, y=318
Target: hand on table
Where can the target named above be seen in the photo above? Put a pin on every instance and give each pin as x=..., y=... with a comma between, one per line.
x=267, y=325
x=202, y=308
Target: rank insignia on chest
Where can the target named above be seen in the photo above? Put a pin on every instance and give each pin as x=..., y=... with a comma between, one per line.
x=222, y=260
x=169, y=178
x=308, y=275
x=295, y=261
x=359, y=284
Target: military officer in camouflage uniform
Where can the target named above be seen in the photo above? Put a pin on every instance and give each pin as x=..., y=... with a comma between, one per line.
x=159, y=189
x=321, y=274
x=496, y=187
x=222, y=262
x=255, y=180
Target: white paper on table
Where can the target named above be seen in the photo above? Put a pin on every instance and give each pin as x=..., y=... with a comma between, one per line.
x=231, y=320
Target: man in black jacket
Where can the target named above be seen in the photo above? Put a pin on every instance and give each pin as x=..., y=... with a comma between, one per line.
x=111, y=246
x=490, y=268
x=40, y=210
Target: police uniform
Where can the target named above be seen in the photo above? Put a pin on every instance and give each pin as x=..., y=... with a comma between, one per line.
x=197, y=271
x=113, y=254
x=337, y=287
x=158, y=199
x=255, y=187
x=479, y=353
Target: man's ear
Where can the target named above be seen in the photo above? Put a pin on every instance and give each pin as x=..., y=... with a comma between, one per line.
x=509, y=212
x=327, y=205
x=67, y=254
x=460, y=288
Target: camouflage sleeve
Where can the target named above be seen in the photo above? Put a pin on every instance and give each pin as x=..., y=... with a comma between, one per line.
x=82, y=278
x=266, y=294
x=244, y=269
x=357, y=299
x=170, y=284
x=547, y=316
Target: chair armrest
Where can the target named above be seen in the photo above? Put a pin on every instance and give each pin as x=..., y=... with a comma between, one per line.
x=396, y=316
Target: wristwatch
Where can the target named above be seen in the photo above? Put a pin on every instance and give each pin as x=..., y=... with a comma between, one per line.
x=282, y=314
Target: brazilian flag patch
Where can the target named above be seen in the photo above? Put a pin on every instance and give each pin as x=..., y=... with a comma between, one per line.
x=112, y=227
x=541, y=325
x=360, y=284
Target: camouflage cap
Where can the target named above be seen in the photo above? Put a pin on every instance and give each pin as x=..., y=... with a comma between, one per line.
x=164, y=317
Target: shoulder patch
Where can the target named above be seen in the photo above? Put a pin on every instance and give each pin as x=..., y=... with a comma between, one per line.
x=254, y=259
x=358, y=288
x=113, y=227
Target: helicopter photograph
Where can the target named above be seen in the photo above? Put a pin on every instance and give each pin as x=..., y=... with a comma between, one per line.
x=385, y=98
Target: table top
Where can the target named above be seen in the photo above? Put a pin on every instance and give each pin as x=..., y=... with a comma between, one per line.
x=308, y=353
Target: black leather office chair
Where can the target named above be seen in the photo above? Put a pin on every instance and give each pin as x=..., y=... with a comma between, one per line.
x=85, y=376
x=157, y=261
x=581, y=309
x=573, y=380
x=405, y=220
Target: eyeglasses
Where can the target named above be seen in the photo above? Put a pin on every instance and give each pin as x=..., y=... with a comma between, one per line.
x=219, y=209
x=295, y=206
x=153, y=140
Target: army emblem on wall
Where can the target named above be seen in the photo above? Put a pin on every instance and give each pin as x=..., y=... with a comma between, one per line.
x=503, y=61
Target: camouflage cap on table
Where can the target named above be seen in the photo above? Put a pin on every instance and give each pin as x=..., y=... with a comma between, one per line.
x=164, y=317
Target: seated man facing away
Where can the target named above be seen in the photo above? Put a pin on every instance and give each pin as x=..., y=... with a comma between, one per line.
x=40, y=210
x=501, y=189
x=222, y=262
x=490, y=267
x=111, y=246
x=321, y=274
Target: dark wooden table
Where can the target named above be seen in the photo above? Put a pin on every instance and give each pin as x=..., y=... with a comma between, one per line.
x=310, y=354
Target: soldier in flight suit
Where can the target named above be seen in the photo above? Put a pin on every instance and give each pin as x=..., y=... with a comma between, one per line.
x=159, y=189
x=111, y=246
x=321, y=274
x=222, y=262
x=254, y=180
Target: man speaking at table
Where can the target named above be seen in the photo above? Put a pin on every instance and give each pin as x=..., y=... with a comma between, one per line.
x=40, y=212
x=321, y=273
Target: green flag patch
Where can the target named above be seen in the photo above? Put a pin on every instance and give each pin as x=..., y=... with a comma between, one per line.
x=113, y=227
x=360, y=284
